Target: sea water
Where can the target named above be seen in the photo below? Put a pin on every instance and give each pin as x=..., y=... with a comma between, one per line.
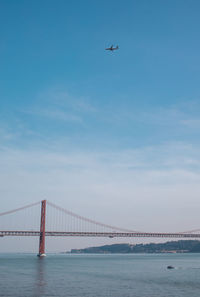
x=118, y=275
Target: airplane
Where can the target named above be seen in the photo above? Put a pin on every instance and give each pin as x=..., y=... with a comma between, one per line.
x=112, y=48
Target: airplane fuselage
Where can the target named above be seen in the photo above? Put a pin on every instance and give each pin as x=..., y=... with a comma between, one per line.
x=112, y=48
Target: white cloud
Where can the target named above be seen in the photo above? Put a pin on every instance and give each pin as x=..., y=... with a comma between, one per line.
x=56, y=104
x=6, y=134
x=108, y=171
x=191, y=123
x=55, y=114
x=180, y=115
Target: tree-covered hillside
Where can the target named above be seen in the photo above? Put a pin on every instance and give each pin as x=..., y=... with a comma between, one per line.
x=181, y=246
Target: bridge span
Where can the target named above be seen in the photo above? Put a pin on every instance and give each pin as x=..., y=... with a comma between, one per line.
x=77, y=227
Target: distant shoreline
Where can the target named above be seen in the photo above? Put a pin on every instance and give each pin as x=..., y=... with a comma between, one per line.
x=172, y=247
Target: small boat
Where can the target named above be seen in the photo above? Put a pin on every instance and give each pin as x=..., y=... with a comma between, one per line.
x=170, y=267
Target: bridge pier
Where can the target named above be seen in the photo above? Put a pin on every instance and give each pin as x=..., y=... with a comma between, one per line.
x=42, y=230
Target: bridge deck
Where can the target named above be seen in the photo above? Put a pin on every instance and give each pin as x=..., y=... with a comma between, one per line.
x=100, y=234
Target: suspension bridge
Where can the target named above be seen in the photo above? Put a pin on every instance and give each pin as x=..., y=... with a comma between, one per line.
x=67, y=223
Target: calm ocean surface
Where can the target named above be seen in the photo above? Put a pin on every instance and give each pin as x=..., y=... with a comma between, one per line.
x=100, y=275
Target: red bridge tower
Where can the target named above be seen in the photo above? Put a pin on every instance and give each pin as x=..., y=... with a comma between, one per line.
x=42, y=230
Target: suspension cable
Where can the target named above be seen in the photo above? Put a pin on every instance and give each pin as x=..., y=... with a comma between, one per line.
x=20, y=208
x=89, y=220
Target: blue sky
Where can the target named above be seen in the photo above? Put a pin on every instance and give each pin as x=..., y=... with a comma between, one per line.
x=53, y=60
x=101, y=128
